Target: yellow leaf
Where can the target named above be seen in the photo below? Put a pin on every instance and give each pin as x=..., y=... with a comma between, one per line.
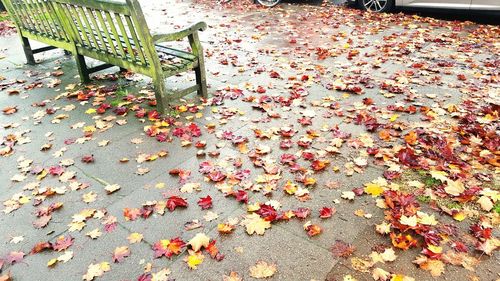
x=194, y=259
x=52, y=262
x=373, y=189
x=255, y=224
x=90, y=111
x=439, y=175
x=459, y=216
x=135, y=238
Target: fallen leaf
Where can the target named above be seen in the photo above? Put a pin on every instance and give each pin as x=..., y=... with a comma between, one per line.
x=262, y=270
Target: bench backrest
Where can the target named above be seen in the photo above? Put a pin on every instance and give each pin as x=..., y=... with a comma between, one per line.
x=38, y=18
x=110, y=31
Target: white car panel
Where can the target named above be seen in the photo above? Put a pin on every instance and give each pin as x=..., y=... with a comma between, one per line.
x=485, y=5
x=450, y=4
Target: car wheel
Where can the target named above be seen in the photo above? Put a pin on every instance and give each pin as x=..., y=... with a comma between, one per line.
x=378, y=6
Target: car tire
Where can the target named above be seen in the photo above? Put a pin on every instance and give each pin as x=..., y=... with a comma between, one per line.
x=378, y=6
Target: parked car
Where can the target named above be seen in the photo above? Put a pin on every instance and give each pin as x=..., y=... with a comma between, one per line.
x=387, y=5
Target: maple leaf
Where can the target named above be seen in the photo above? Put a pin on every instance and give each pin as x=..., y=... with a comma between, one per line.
x=168, y=248
x=341, y=249
x=262, y=270
x=454, y=188
x=135, y=238
x=40, y=246
x=205, y=202
x=110, y=188
x=198, y=241
x=96, y=270
x=94, y=234
x=194, y=259
x=9, y=110
x=88, y=158
x=233, y=276
x=42, y=221
x=62, y=243
x=379, y=274
x=214, y=251
x=14, y=257
x=131, y=214
x=65, y=257
x=255, y=224
x=242, y=196
x=120, y=254
x=373, y=189
x=174, y=202
x=225, y=228
x=326, y=212
x=402, y=241
x=312, y=229
x=435, y=267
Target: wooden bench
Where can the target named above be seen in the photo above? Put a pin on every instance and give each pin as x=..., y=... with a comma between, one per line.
x=36, y=20
x=117, y=34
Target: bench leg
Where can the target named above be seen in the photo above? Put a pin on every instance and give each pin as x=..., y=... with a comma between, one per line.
x=161, y=94
x=82, y=68
x=201, y=79
x=30, y=59
x=197, y=50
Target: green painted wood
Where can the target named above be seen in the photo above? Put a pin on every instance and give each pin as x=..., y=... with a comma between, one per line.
x=97, y=30
x=36, y=20
x=73, y=13
x=103, y=5
x=111, y=24
x=200, y=26
x=56, y=25
x=102, y=23
x=136, y=41
x=87, y=29
x=129, y=51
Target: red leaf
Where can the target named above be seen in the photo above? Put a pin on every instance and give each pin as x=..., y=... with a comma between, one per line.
x=62, y=243
x=174, y=202
x=88, y=159
x=241, y=196
x=326, y=212
x=205, y=202
x=214, y=251
x=302, y=213
x=216, y=176
x=41, y=246
x=267, y=212
x=168, y=248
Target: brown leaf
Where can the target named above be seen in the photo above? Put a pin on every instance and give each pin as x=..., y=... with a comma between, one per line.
x=340, y=249
x=9, y=110
x=42, y=221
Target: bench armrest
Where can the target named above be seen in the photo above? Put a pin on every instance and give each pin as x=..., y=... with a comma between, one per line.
x=201, y=26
